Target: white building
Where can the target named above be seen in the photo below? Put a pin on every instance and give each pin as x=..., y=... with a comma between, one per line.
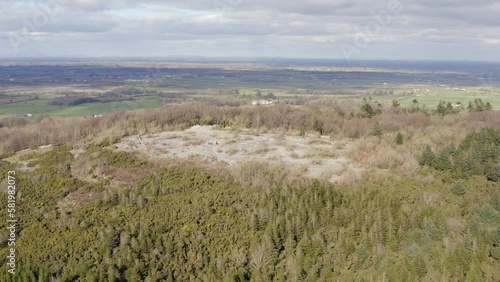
x=262, y=102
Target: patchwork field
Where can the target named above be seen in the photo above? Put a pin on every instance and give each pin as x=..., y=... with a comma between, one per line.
x=37, y=89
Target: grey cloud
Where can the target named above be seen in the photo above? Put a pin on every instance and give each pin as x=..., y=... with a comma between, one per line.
x=239, y=26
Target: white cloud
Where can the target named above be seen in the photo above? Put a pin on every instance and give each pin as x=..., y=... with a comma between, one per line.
x=492, y=41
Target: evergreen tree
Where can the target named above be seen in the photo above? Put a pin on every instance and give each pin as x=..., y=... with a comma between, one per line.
x=495, y=250
x=367, y=110
x=395, y=104
x=377, y=131
x=495, y=174
x=420, y=267
x=474, y=273
x=441, y=108
x=470, y=107
x=399, y=139
x=495, y=201
x=428, y=157
x=458, y=188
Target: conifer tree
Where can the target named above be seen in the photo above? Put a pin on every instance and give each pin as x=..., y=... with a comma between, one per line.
x=458, y=188
x=428, y=157
x=495, y=250
x=495, y=174
x=377, y=131
x=399, y=139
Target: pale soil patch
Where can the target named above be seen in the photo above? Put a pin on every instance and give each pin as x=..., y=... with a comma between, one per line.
x=321, y=156
x=78, y=200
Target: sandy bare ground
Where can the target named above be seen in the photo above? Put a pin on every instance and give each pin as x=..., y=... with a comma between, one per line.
x=317, y=156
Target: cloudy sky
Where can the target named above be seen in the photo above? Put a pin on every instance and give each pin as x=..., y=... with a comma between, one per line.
x=342, y=29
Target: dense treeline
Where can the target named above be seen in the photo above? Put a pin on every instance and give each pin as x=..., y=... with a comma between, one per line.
x=118, y=94
x=71, y=101
x=477, y=154
x=187, y=222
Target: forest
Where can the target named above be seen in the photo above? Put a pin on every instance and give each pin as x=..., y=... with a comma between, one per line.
x=427, y=208
x=250, y=141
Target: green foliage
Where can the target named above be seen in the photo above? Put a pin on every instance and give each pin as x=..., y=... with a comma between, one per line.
x=415, y=107
x=377, y=130
x=496, y=238
x=370, y=109
x=474, y=227
x=487, y=214
x=428, y=157
x=446, y=108
x=420, y=267
x=495, y=201
x=399, y=139
x=474, y=273
x=458, y=189
x=395, y=104
x=478, y=106
x=444, y=159
x=362, y=254
x=495, y=173
x=182, y=223
x=478, y=154
x=115, y=158
x=495, y=249
x=413, y=251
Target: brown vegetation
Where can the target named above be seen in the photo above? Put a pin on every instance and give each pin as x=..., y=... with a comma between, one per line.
x=327, y=118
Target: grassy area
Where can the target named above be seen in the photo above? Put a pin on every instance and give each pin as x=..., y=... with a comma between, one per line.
x=101, y=108
x=285, y=85
x=41, y=107
x=29, y=107
x=430, y=96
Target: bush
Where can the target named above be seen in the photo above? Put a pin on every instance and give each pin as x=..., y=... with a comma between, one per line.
x=458, y=189
x=495, y=250
x=495, y=174
x=399, y=139
x=428, y=157
x=478, y=154
x=495, y=201
x=377, y=131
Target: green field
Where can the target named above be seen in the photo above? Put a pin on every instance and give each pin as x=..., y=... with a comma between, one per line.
x=436, y=94
x=298, y=85
x=38, y=107
x=41, y=107
x=101, y=108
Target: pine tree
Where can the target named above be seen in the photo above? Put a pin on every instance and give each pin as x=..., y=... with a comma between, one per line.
x=443, y=159
x=399, y=139
x=474, y=273
x=441, y=108
x=458, y=189
x=367, y=110
x=377, y=131
x=475, y=226
x=495, y=174
x=496, y=238
x=420, y=267
x=495, y=250
x=428, y=157
x=362, y=255
x=395, y=104
x=495, y=201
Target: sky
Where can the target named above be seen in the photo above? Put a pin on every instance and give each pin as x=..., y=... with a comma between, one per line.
x=336, y=29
